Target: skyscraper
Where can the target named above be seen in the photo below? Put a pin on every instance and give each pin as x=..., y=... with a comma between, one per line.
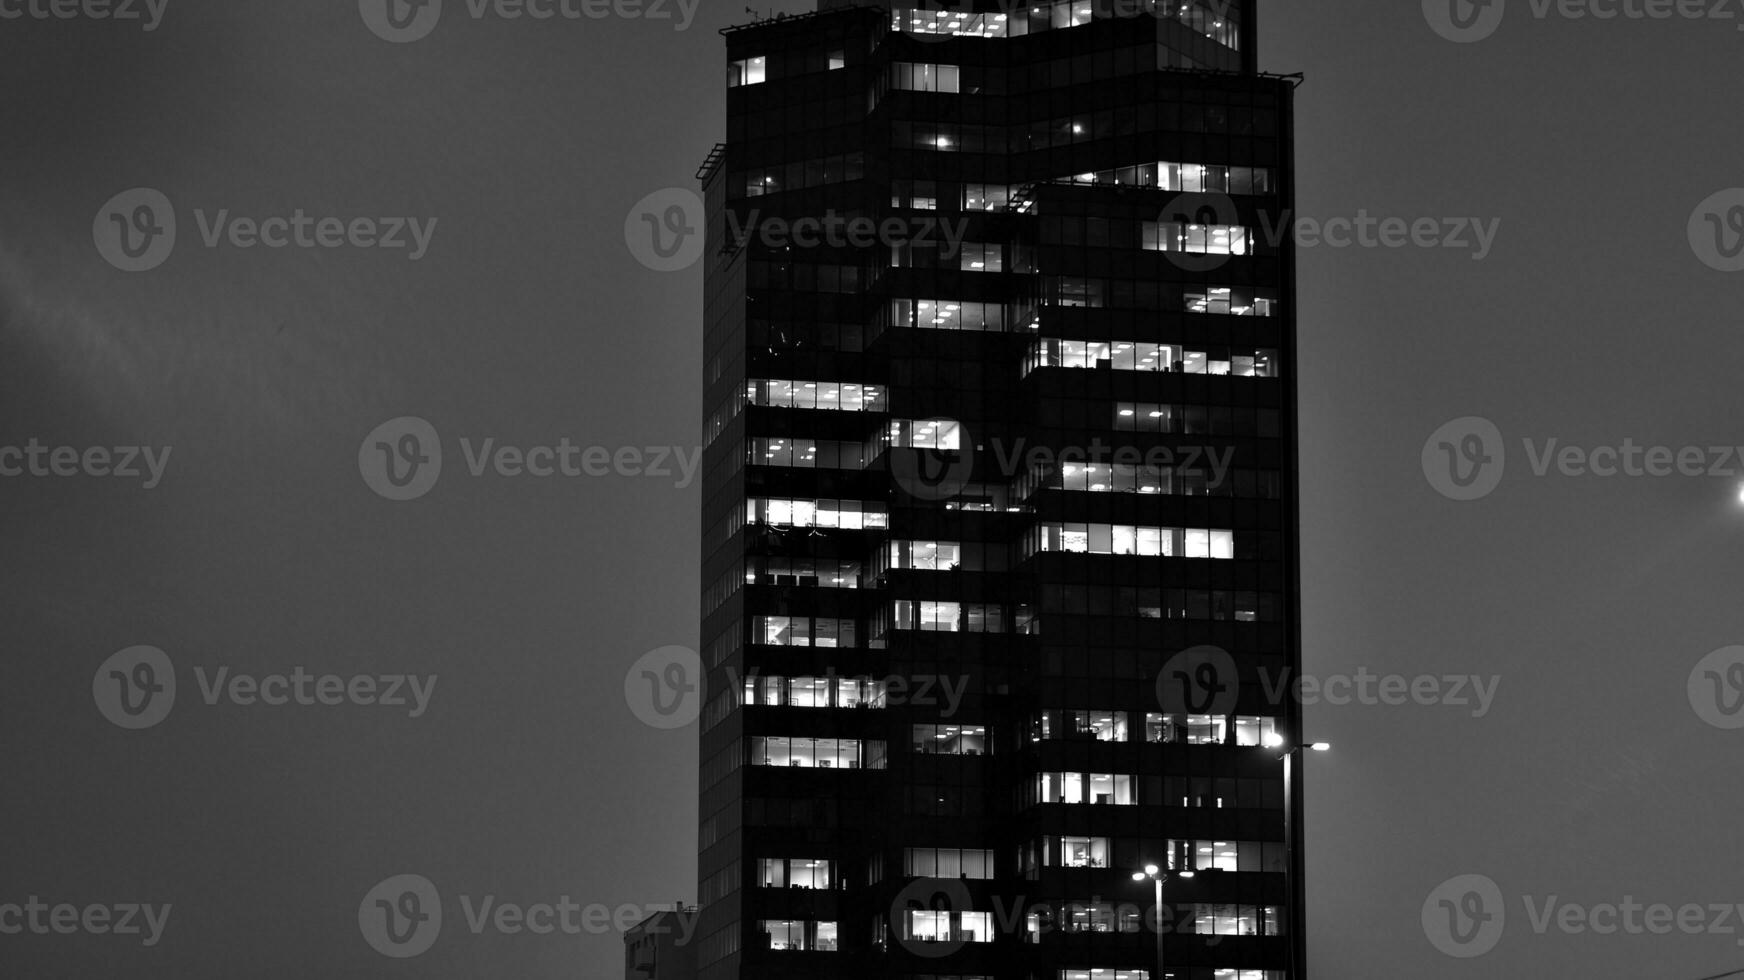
x=1000, y=520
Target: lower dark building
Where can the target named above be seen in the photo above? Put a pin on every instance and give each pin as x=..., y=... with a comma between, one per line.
x=662, y=946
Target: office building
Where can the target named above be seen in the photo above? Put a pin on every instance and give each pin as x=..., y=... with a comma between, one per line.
x=1000, y=518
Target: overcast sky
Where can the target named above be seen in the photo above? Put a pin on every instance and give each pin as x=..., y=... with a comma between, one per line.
x=526, y=319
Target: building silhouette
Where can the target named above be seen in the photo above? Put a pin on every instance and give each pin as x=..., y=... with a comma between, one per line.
x=1000, y=519
x=659, y=947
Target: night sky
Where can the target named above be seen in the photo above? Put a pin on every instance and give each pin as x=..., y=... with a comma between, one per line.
x=528, y=778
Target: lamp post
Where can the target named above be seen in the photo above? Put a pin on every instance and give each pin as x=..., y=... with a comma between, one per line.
x=1298, y=912
x=1159, y=876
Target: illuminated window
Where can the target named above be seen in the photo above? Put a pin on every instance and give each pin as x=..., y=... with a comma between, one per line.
x=1196, y=239
x=805, y=454
x=751, y=71
x=845, y=514
x=1228, y=301
x=944, y=314
x=1227, y=855
x=948, y=862
x=1100, y=726
x=1249, y=730
x=938, y=926
x=925, y=78
x=1075, y=787
x=799, y=934
x=793, y=873
x=802, y=631
x=976, y=257
x=825, y=395
x=985, y=197
x=816, y=753
x=949, y=739
x=924, y=434
x=815, y=692
x=948, y=617
x=1126, y=539
x=1121, y=355
x=824, y=573
x=1215, y=20
x=925, y=555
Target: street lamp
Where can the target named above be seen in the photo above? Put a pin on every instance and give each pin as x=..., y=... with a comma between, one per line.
x=1298, y=894
x=1159, y=876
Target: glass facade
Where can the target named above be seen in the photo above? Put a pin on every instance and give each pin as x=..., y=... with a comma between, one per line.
x=979, y=462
